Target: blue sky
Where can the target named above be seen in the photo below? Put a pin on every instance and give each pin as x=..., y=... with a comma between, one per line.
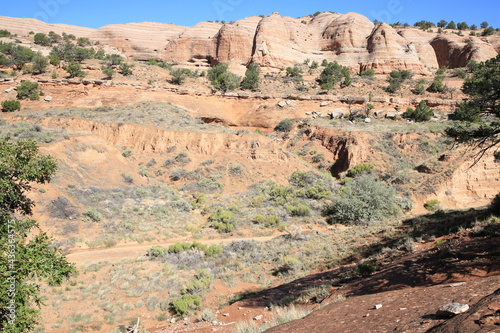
x=96, y=13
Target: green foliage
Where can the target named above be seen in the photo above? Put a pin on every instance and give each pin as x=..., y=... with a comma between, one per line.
x=451, y=25
x=199, y=283
x=11, y=106
x=42, y=39
x=468, y=112
x=28, y=257
x=432, y=205
x=156, y=251
x=370, y=72
x=74, y=69
x=419, y=88
x=222, y=79
x=286, y=125
x=28, y=89
x=83, y=41
x=334, y=73
x=462, y=26
x=266, y=221
x=295, y=74
x=441, y=70
x=424, y=25
x=396, y=78
x=421, y=113
x=360, y=169
x=21, y=55
x=484, y=88
x=366, y=269
x=251, y=79
x=126, y=69
x=178, y=75
x=5, y=33
x=108, y=72
x=92, y=214
x=40, y=64
x=181, y=306
x=314, y=65
x=442, y=24
x=222, y=220
x=488, y=31
x=54, y=59
x=363, y=200
x=113, y=59
x=461, y=74
x=298, y=209
x=484, y=25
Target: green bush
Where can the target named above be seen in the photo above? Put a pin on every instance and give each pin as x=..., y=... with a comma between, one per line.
x=468, y=112
x=40, y=64
x=286, y=125
x=334, y=73
x=251, y=79
x=92, y=214
x=222, y=220
x=156, y=251
x=370, y=72
x=294, y=73
x=74, y=70
x=360, y=169
x=222, y=79
x=5, y=33
x=367, y=269
x=54, y=59
x=436, y=86
x=421, y=113
x=419, y=88
x=42, y=39
x=126, y=69
x=298, y=209
x=11, y=106
x=213, y=250
x=363, y=200
x=181, y=306
x=108, y=72
x=28, y=89
x=432, y=205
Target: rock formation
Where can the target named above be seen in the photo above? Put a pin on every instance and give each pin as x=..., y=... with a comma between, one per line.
x=275, y=42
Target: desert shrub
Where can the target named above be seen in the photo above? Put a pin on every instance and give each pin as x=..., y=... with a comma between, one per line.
x=421, y=113
x=436, y=86
x=11, y=106
x=108, y=72
x=360, y=169
x=363, y=200
x=92, y=214
x=419, y=88
x=213, y=250
x=370, y=72
x=5, y=33
x=42, y=39
x=298, y=209
x=405, y=203
x=458, y=72
x=156, y=251
x=495, y=205
x=468, y=112
x=40, y=64
x=302, y=178
x=126, y=69
x=178, y=76
x=222, y=79
x=286, y=125
x=28, y=89
x=199, y=283
x=251, y=79
x=366, y=269
x=318, y=192
x=181, y=306
x=222, y=220
x=127, y=153
x=432, y=205
x=294, y=73
x=314, y=65
x=74, y=69
x=441, y=70
x=267, y=221
x=332, y=74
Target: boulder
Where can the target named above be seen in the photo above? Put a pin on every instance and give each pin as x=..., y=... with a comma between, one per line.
x=282, y=104
x=379, y=113
x=47, y=98
x=323, y=104
x=336, y=114
x=451, y=309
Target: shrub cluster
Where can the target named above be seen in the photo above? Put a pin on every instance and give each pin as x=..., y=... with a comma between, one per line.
x=421, y=113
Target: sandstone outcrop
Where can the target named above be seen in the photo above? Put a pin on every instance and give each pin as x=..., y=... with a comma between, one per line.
x=275, y=42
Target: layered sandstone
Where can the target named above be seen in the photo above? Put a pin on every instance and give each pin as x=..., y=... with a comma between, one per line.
x=275, y=42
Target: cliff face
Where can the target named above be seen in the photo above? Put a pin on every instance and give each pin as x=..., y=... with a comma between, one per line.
x=275, y=42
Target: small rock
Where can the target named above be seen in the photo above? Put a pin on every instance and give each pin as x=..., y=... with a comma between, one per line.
x=323, y=104
x=282, y=104
x=8, y=90
x=379, y=113
x=391, y=115
x=458, y=284
x=402, y=309
x=289, y=101
x=378, y=306
x=47, y=98
x=336, y=114
x=214, y=322
x=308, y=113
x=259, y=317
x=366, y=315
x=225, y=314
x=240, y=308
x=451, y=309
x=172, y=320
x=368, y=120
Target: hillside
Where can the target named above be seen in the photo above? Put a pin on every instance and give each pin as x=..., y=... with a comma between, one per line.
x=198, y=209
